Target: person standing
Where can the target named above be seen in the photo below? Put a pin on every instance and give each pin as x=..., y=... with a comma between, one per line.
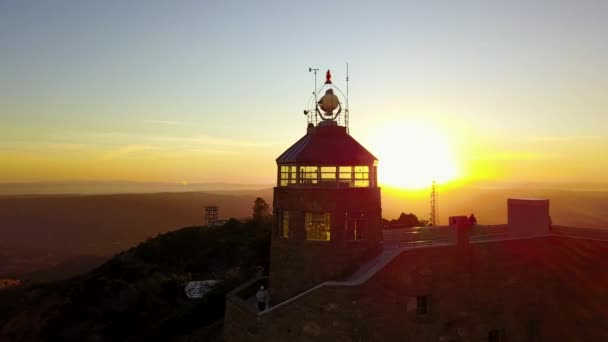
x=261, y=297
x=472, y=220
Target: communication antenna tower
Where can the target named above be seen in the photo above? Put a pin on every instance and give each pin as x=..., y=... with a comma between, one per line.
x=211, y=214
x=434, y=216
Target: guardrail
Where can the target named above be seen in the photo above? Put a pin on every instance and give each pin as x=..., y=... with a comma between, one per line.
x=581, y=233
x=415, y=243
x=489, y=236
x=415, y=235
x=418, y=236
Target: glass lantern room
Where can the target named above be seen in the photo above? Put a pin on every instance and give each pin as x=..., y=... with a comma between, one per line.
x=327, y=157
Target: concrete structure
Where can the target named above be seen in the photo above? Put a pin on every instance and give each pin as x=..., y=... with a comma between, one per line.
x=336, y=276
x=529, y=215
x=487, y=284
x=459, y=227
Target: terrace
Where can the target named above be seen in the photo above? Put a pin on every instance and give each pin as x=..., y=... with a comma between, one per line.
x=397, y=241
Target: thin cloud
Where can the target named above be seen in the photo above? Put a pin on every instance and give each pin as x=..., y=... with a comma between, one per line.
x=184, y=142
x=111, y=145
x=165, y=122
x=507, y=156
x=38, y=146
x=125, y=150
x=209, y=140
x=565, y=138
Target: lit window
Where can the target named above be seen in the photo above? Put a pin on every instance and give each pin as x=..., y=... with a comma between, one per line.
x=328, y=173
x=317, y=226
x=285, y=224
x=360, y=183
x=309, y=174
x=288, y=175
x=361, y=176
x=422, y=305
x=346, y=173
x=345, y=176
x=355, y=223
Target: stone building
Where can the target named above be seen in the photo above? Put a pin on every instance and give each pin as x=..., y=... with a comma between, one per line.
x=335, y=275
x=326, y=204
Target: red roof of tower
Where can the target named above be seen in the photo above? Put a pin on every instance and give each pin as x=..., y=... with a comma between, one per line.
x=327, y=145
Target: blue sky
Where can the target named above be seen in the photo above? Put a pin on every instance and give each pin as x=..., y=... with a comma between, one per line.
x=226, y=81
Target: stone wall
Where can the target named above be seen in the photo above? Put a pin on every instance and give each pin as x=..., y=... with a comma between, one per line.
x=297, y=264
x=556, y=286
x=337, y=201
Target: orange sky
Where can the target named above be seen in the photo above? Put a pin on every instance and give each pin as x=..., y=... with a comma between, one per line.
x=505, y=92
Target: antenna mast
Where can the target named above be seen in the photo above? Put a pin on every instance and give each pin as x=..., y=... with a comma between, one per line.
x=347, y=111
x=314, y=90
x=434, y=216
x=314, y=94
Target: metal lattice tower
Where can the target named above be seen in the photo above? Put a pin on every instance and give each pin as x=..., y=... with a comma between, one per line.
x=211, y=214
x=434, y=216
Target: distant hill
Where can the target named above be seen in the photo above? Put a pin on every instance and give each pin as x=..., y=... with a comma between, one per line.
x=68, y=268
x=40, y=231
x=139, y=294
x=117, y=187
x=580, y=208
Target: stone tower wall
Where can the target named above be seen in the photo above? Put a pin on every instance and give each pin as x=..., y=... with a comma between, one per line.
x=297, y=264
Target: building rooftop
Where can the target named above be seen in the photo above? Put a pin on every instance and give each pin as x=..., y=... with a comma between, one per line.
x=327, y=144
x=406, y=240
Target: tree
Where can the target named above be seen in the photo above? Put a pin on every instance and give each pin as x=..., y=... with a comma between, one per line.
x=405, y=221
x=261, y=210
x=408, y=220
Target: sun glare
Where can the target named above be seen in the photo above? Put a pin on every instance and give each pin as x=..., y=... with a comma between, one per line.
x=412, y=155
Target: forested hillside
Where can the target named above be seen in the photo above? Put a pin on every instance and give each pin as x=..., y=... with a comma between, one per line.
x=139, y=294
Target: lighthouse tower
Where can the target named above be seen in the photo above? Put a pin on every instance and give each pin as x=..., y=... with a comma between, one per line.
x=326, y=203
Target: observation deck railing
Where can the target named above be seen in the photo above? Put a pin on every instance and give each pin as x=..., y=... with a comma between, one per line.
x=581, y=233
x=415, y=236
x=395, y=242
x=418, y=236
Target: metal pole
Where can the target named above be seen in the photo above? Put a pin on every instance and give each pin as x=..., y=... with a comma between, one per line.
x=314, y=93
x=347, y=112
x=315, y=88
x=346, y=85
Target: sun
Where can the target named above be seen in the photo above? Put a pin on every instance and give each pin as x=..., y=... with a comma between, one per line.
x=413, y=154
